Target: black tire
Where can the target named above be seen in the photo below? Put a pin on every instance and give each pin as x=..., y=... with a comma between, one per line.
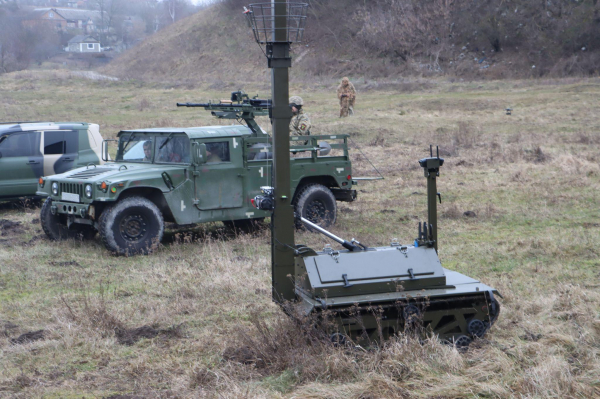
x=316, y=203
x=56, y=228
x=133, y=226
x=245, y=225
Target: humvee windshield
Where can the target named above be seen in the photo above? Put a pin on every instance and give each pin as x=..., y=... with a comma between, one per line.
x=139, y=147
x=135, y=148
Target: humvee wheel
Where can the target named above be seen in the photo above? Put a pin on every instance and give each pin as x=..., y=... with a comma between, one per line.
x=316, y=203
x=133, y=226
x=56, y=229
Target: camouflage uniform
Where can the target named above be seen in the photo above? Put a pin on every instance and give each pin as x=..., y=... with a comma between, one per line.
x=300, y=124
x=347, y=95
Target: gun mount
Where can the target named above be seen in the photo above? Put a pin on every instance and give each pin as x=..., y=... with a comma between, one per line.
x=239, y=107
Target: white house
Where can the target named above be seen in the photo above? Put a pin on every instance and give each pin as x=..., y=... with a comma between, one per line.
x=83, y=44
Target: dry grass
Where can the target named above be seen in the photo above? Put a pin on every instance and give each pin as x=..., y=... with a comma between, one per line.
x=195, y=319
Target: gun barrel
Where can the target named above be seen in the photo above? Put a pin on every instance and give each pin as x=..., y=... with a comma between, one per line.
x=256, y=103
x=346, y=244
x=195, y=105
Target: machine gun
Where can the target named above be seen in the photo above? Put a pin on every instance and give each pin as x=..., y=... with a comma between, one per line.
x=240, y=107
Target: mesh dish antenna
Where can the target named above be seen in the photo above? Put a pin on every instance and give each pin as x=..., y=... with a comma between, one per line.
x=262, y=16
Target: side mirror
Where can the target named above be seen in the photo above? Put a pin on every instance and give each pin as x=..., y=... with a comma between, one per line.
x=105, y=156
x=198, y=153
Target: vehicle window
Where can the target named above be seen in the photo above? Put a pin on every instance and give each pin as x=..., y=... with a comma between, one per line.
x=20, y=145
x=72, y=139
x=135, y=148
x=61, y=142
x=172, y=149
x=217, y=152
x=54, y=143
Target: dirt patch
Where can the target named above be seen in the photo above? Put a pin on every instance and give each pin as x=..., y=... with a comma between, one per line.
x=587, y=225
x=537, y=155
x=203, y=377
x=462, y=162
x=34, y=240
x=529, y=336
x=244, y=355
x=129, y=336
x=123, y=397
x=8, y=226
x=7, y=242
x=470, y=214
x=62, y=264
x=8, y=326
x=28, y=337
x=35, y=221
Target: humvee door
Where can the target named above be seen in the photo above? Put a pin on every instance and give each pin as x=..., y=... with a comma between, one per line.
x=220, y=181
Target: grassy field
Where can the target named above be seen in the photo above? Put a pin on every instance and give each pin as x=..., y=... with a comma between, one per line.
x=177, y=323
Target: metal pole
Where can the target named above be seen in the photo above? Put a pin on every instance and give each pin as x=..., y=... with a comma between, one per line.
x=322, y=230
x=282, y=232
x=432, y=206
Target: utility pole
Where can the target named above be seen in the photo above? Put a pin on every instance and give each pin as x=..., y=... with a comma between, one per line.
x=282, y=232
x=277, y=24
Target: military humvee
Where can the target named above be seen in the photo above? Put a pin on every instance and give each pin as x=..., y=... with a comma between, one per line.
x=29, y=150
x=187, y=176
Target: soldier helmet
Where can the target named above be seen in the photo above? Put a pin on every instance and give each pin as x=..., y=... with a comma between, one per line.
x=297, y=100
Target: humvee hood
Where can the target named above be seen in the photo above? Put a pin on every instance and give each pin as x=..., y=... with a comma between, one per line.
x=116, y=172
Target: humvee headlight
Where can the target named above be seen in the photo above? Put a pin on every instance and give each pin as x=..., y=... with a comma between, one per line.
x=88, y=191
x=41, y=181
x=55, y=188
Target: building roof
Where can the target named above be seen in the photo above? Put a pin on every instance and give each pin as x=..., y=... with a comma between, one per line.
x=38, y=13
x=83, y=39
x=75, y=14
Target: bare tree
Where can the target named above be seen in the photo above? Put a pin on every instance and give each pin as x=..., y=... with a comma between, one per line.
x=172, y=6
x=109, y=9
x=409, y=28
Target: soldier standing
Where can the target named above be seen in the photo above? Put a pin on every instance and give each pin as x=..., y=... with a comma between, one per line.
x=347, y=95
x=300, y=123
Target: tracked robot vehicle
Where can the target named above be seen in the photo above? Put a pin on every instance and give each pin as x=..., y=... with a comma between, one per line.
x=369, y=293
x=374, y=293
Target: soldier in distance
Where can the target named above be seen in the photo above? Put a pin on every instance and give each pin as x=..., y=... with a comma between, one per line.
x=300, y=123
x=347, y=95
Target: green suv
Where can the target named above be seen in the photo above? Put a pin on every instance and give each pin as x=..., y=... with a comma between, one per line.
x=31, y=150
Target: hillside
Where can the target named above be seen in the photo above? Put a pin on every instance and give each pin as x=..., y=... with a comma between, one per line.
x=382, y=39
x=201, y=48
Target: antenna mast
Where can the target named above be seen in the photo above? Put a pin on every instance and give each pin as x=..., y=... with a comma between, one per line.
x=278, y=24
